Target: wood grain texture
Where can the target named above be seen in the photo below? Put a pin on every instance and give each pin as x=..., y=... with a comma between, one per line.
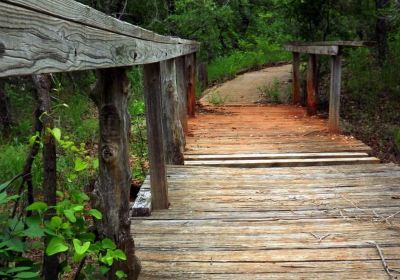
x=182, y=91
x=321, y=50
x=173, y=134
x=191, y=84
x=296, y=78
x=312, y=85
x=73, y=11
x=335, y=90
x=283, y=223
x=40, y=43
x=152, y=94
x=335, y=43
x=252, y=130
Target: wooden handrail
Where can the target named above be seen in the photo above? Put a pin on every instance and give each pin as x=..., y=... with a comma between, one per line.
x=333, y=49
x=47, y=36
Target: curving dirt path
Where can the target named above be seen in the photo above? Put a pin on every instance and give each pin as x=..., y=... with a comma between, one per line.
x=245, y=89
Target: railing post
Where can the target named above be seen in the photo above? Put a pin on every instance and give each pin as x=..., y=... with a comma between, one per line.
x=173, y=135
x=334, y=102
x=112, y=191
x=296, y=78
x=152, y=94
x=182, y=91
x=191, y=82
x=312, y=85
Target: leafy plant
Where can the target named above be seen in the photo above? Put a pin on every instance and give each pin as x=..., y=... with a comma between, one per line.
x=215, y=98
x=271, y=92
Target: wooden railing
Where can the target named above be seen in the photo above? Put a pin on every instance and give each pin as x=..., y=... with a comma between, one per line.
x=333, y=49
x=48, y=36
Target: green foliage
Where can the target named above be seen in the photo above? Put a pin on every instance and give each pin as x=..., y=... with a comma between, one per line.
x=271, y=92
x=215, y=98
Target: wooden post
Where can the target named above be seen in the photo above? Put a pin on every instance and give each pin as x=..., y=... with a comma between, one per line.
x=312, y=85
x=334, y=102
x=296, y=78
x=173, y=135
x=202, y=73
x=191, y=82
x=152, y=94
x=112, y=191
x=182, y=91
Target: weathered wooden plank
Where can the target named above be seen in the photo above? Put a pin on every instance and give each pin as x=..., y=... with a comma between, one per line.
x=161, y=274
x=335, y=43
x=173, y=135
x=282, y=162
x=182, y=91
x=73, y=11
x=296, y=78
x=302, y=269
x=152, y=94
x=312, y=85
x=334, y=101
x=191, y=84
x=321, y=50
x=190, y=157
x=34, y=42
x=142, y=204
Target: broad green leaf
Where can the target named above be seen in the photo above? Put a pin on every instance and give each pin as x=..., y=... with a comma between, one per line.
x=18, y=269
x=5, y=185
x=120, y=274
x=108, y=244
x=79, y=248
x=60, y=194
x=95, y=163
x=104, y=270
x=108, y=259
x=34, y=231
x=37, y=206
x=119, y=254
x=80, y=165
x=56, y=132
x=55, y=222
x=70, y=215
x=26, y=275
x=96, y=213
x=56, y=245
x=77, y=208
x=15, y=245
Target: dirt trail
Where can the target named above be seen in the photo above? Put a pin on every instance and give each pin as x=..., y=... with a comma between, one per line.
x=245, y=89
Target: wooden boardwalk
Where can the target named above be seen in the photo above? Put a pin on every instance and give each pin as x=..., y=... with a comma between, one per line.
x=318, y=215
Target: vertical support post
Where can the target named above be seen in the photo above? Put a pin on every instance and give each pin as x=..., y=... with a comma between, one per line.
x=182, y=91
x=296, y=78
x=334, y=102
x=202, y=73
x=312, y=85
x=191, y=79
x=152, y=96
x=173, y=135
x=112, y=191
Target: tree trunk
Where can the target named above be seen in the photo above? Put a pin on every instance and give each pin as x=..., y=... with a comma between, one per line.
x=5, y=112
x=381, y=32
x=112, y=191
x=43, y=86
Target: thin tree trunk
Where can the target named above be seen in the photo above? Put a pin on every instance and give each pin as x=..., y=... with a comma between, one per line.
x=5, y=112
x=111, y=193
x=43, y=86
x=381, y=31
